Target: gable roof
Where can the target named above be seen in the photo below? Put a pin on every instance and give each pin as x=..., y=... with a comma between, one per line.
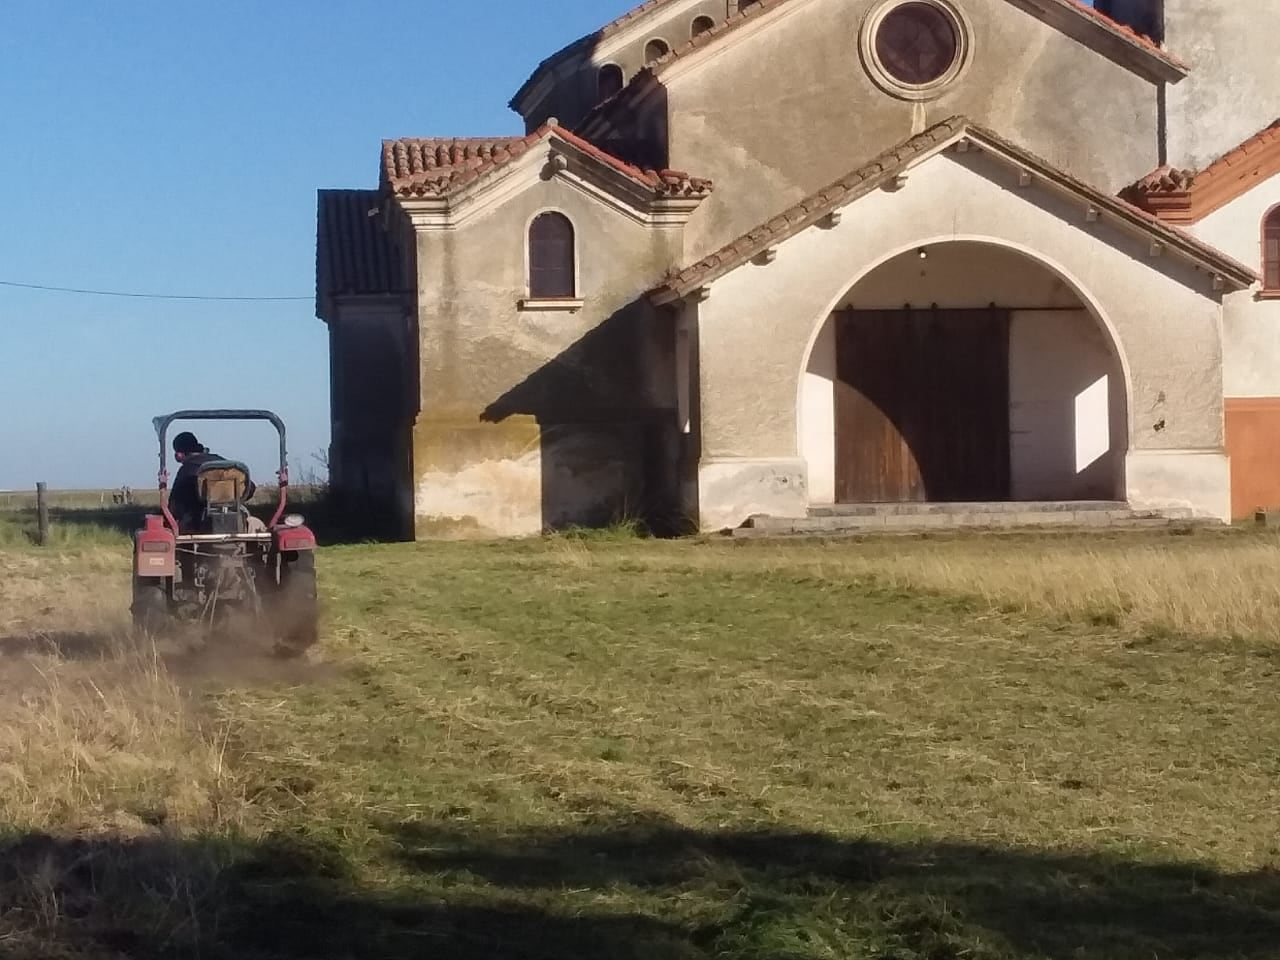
x=888, y=165
x=1068, y=14
x=419, y=169
x=355, y=256
x=1185, y=196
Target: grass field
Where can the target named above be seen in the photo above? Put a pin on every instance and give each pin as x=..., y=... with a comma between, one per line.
x=81, y=517
x=586, y=747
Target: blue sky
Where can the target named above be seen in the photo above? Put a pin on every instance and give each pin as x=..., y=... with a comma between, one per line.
x=176, y=148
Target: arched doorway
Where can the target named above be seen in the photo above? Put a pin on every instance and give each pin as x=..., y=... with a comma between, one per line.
x=963, y=371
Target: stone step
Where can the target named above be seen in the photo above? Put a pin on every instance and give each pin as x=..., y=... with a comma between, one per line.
x=997, y=506
x=977, y=520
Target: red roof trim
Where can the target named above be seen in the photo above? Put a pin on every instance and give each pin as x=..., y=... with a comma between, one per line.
x=418, y=169
x=1127, y=33
x=1185, y=196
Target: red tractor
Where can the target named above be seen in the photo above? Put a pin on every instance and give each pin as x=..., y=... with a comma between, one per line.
x=226, y=564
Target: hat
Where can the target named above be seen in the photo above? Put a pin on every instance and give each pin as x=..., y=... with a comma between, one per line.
x=186, y=442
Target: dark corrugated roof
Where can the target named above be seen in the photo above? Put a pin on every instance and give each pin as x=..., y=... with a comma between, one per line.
x=355, y=256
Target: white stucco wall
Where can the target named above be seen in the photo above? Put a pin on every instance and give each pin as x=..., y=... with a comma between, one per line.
x=760, y=322
x=1066, y=408
x=818, y=416
x=1251, y=327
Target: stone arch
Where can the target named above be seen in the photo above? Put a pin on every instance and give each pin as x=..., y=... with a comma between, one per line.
x=1115, y=382
x=656, y=49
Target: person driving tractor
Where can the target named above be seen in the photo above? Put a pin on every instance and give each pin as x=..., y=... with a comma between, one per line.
x=184, y=498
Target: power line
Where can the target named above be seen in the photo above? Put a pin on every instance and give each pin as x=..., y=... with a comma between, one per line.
x=148, y=296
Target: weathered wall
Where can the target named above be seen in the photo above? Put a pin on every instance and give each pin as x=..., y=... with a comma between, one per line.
x=789, y=107
x=574, y=93
x=1234, y=87
x=1251, y=326
x=757, y=327
x=372, y=359
x=535, y=418
x=1066, y=403
x=1251, y=355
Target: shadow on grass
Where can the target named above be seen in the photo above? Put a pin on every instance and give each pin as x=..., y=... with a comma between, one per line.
x=625, y=891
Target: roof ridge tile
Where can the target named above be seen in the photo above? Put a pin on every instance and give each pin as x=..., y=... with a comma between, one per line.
x=414, y=168
x=1186, y=195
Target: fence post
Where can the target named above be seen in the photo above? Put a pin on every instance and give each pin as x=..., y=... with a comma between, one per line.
x=42, y=515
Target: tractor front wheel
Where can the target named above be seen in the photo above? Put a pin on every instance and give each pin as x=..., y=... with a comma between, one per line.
x=297, y=606
x=151, y=614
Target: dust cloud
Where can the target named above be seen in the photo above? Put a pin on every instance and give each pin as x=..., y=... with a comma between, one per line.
x=196, y=659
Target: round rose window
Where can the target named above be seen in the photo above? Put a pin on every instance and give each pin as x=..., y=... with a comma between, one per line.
x=917, y=43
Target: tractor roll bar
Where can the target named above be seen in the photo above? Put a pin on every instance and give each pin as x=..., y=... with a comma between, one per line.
x=162, y=425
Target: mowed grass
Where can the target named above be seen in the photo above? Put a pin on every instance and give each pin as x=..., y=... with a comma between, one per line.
x=1022, y=747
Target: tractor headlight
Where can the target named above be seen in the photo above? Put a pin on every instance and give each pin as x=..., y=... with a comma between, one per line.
x=293, y=520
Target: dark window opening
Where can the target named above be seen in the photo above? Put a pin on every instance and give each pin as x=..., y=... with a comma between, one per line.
x=1144, y=16
x=655, y=50
x=1271, y=251
x=552, y=262
x=917, y=43
x=701, y=25
x=609, y=82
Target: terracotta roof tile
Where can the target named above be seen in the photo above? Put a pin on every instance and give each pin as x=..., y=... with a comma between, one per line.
x=1165, y=179
x=870, y=175
x=415, y=168
x=1186, y=196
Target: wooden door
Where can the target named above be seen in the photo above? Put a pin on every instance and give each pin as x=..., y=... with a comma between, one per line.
x=922, y=405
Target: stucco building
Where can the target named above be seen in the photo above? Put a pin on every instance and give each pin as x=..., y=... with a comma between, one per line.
x=758, y=258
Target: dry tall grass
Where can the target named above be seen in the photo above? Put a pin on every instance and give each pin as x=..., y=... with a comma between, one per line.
x=1214, y=585
x=93, y=730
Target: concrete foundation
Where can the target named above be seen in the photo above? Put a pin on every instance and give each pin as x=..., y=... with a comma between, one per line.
x=731, y=490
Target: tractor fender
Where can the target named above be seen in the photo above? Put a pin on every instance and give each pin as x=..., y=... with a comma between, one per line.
x=155, y=549
x=293, y=539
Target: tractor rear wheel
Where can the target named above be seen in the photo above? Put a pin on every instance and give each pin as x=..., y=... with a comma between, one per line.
x=297, y=607
x=150, y=609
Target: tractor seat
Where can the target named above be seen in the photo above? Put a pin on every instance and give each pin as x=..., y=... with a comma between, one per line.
x=223, y=482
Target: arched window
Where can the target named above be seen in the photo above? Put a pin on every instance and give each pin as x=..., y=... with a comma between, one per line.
x=1271, y=251
x=552, y=259
x=609, y=81
x=701, y=25
x=655, y=49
